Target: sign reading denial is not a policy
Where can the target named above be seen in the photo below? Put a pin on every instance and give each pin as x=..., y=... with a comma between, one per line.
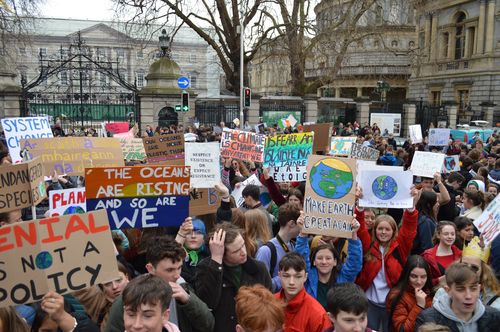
x=242, y=145
x=62, y=254
x=139, y=196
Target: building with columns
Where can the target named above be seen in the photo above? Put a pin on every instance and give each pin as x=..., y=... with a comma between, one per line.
x=457, y=62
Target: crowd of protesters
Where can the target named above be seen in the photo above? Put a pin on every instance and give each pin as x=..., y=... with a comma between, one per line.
x=252, y=268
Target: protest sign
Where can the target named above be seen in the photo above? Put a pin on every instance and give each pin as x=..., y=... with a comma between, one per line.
x=386, y=188
x=67, y=201
x=427, y=163
x=439, y=136
x=21, y=185
x=116, y=127
x=133, y=149
x=322, y=136
x=415, y=134
x=237, y=192
x=276, y=117
x=389, y=123
x=359, y=151
x=341, y=146
x=164, y=147
x=62, y=254
x=70, y=155
x=139, y=196
x=242, y=145
x=204, y=160
x=451, y=164
x=330, y=196
x=16, y=129
x=286, y=155
x=203, y=201
x=488, y=223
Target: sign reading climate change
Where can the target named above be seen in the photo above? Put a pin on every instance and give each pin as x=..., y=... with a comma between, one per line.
x=16, y=129
x=139, y=196
x=286, y=155
x=62, y=254
x=242, y=145
x=330, y=195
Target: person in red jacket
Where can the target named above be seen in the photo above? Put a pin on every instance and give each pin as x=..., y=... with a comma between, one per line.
x=302, y=311
x=444, y=253
x=385, y=257
x=411, y=295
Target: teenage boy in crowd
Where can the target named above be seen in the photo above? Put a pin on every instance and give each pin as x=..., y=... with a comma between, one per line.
x=347, y=308
x=273, y=251
x=461, y=309
x=165, y=258
x=302, y=311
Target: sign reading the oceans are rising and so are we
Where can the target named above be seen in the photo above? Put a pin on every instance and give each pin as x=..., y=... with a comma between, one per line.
x=164, y=147
x=286, y=155
x=330, y=196
x=139, y=196
x=203, y=158
x=385, y=188
x=21, y=185
x=16, y=129
x=62, y=254
x=242, y=145
x=71, y=155
x=67, y=201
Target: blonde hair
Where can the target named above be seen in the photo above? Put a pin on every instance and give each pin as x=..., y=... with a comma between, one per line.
x=489, y=281
x=433, y=327
x=379, y=219
x=256, y=229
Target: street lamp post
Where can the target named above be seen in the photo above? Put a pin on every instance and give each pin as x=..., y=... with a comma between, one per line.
x=164, y=41
x=242, y=67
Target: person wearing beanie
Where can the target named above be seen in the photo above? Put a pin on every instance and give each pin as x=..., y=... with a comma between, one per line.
x=477, y=185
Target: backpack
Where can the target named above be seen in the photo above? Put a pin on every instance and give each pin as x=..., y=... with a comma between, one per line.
x=274, y=257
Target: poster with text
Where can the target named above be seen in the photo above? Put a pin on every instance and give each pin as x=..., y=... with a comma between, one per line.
x=286, y=156
x=237, y=192
x=139, y=196
x=21, y=185
x=204, y=160
x=203, y=201
x=341, y=146
x=62, y=254
x=330, y=196
x=439, y=136
x=386, y=188
x=322, y=136
x=427, y=163
x=16, y=129
x=244, y=145
x=415, y=134
x=389, y=123
x=133, y=149
x=451, y=164
x=359, y=151
x=71, y=155
x=67, y=201
x=164, y=147
x=488, y=223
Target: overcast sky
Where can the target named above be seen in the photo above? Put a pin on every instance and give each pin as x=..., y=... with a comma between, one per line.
x=78, y=9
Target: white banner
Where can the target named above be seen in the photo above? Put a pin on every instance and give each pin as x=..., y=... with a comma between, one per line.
x=67, y=201
x=439, y=136
x=204, y=159
x=427, y=163
x=386, y=188
x=237, y=192
x=488, y=223
x=416, y=134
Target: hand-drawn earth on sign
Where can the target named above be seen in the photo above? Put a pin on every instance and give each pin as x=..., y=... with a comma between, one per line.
x=74, y=210
x=384, y=187
x=331, y=178
x=449, y=163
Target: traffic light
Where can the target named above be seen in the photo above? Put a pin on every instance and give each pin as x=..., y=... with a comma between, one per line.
x=185, y=101
x=248, y=97
x=178, y=108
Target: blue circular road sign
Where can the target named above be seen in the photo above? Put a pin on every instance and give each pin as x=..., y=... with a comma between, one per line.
x=183, y=82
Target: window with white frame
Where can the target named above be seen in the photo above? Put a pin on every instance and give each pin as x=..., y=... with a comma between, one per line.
x=63, y=78
x=140, y=79
x=140, y=54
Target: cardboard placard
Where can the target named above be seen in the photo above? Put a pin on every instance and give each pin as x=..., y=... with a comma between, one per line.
x=116, y=127
x=439, y=136
x=237, y=192
x=427, y=163
x=139, y=196
x=203, y=201
x=244, y=145
x=386, y=188
x=330, y=196
x=164, y=147
x=322, y=136
x=286, y=155
x=21, y=185
x=416, y=134
x=488, y=223
x=71, y=155
x=451, y=164
x=359, y=151
x=67, y=201
x=133, y=149
x=62, y=254
x=16, y=129
x=204, y=160
x=341, y=146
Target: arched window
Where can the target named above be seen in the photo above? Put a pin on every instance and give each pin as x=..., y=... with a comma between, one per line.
x=459, y=36
x=394, y=43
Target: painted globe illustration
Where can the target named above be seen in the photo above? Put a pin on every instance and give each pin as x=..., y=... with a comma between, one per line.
x=74, y=210
x=384, y=187
x=331, y=178
x=43, y=260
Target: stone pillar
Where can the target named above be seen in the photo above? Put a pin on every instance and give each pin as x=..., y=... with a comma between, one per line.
x=490, y=27
x=480, y=27
x=10, y=93
x=427, y=31
x=488, y=109
x=452, y=111
x=359, y=92
x=311, y=104
x=337, y=92
x=434, y=36
x=408, y=118
x=253, y=112
x=363, y=112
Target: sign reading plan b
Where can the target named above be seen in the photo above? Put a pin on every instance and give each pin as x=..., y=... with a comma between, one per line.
x=139, y=196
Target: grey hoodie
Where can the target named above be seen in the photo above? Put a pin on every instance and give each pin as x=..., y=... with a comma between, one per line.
x=443, y=305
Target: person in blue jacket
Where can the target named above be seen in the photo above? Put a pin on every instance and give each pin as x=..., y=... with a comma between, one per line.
x=323, y=266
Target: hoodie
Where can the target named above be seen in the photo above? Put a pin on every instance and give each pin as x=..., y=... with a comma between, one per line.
x=443, y=306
